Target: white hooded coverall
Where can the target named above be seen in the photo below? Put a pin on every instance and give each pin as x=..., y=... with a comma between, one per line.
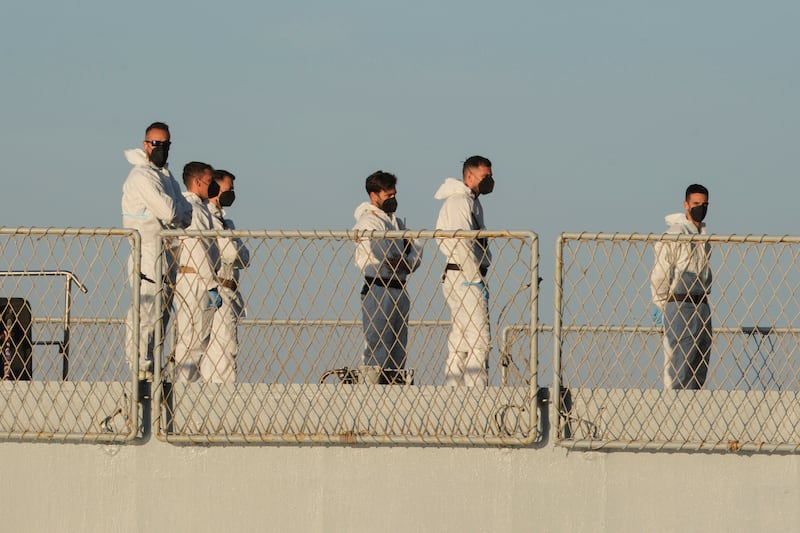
x=680, y=283
x=468, y=260
x=151, y=200
x=385, y=265
x=194, y=309
x=219, y=363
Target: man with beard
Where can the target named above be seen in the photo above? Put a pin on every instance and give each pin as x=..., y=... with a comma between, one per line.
x=151, y=201
x=385, y=265
x=464, y=280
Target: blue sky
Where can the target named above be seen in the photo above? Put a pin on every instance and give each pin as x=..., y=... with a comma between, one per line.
x=596, y=115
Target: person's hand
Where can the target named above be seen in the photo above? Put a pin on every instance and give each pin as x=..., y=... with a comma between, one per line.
x=214, y=299
x=398, y=264
x=481, y=285
x=658, y=317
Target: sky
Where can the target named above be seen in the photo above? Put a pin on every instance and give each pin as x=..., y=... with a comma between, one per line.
x=596, y=115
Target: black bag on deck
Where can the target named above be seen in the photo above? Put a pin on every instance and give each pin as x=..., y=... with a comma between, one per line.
x=18, y=348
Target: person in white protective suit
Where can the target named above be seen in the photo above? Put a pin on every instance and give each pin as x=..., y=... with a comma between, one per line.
x=385, y=265
x=464, y=280
x=196, y=290
x=151, y=200
x=218, y=365
x=680, y=283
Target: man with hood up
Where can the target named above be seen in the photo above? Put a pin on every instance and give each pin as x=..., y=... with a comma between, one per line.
x=680, y=282
x=385, y=265
x=464, y=280
x=151, y=200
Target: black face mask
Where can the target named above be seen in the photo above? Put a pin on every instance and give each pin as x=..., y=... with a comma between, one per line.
x=698, y=212
x=389, y=205
x=486, y=185
x=159, y=156
x=226, y=198
x=213, y=189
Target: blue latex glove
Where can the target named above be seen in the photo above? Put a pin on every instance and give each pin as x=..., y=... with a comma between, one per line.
x=480, y=284
x=214, y=299
x=658, y=317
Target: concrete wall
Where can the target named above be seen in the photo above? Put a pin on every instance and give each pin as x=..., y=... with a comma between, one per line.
x=157, y=486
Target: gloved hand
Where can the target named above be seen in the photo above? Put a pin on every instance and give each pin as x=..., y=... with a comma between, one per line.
x=658, y=317
x=214, y=299
x=481, y=285
x=398, y=264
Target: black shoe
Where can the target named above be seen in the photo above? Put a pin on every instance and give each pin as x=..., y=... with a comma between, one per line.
x=393, y=376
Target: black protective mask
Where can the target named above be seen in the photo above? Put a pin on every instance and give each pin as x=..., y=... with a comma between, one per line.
x=486, y=185
x=698, y=212
x=213, y=189
x=389, y=205
x=159, y=156
x=226, y=198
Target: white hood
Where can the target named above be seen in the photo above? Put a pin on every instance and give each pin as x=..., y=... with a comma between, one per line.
x=452, y=187
x=137, y=156
x=364, y=208
x=679, y=220
x=675, y=219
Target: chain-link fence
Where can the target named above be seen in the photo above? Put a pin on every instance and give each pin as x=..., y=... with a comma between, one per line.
x=300, y=367
x=300, y=374
x=610, y=355
x=64, y=294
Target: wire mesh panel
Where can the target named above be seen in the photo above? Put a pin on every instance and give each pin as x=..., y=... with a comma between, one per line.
x=612, y=362
x=64, y=295
x=301, y=371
